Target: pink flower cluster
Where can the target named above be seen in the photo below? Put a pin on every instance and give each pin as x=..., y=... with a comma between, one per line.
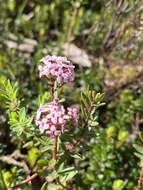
x=58, y=67
x=73, y=113
x=52, y=118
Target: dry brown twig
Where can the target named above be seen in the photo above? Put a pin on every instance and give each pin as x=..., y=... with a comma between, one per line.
x=12, y=160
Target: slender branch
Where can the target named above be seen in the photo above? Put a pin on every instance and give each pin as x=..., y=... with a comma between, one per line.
x=51, y=84
x=54, y=152
x=10, y=160
x=135, y=129
x=108, y=35
x=24, y=182
x=28, y=179
x=16, y=154
x=140, y=179
x=70, y=27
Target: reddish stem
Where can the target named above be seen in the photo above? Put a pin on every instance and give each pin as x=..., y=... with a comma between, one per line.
x=24, y=182
x=140, y=179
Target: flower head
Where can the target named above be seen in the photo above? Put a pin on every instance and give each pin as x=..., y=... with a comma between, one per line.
x=58, y=67
x=52, y=118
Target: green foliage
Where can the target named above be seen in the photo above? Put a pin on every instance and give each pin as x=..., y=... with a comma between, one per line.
x=32, y=156
x=139, y=152
x=9, y=93
x=110, y=32
x=118, y=184
x=18, y=119
x=2, y=181
x=90, y=102
x=20, y=123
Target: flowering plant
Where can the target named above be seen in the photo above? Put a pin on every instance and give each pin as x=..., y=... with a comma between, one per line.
x=52, y=117
x=54, y=136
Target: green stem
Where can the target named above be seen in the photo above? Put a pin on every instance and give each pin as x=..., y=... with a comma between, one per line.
x=54, y=152
x=55, y=90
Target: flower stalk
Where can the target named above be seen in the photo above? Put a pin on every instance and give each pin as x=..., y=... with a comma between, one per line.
x=54, y=152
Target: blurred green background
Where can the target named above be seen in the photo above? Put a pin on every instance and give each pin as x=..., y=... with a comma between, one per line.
x=103, y=38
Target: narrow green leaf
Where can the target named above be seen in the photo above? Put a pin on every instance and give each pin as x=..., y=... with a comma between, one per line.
x=77, y=156
x=2, y=182
x=139, y=155
x=138, y=148
x=44, y=186
x=42, y=162
x=71, y=175
x=66, y=170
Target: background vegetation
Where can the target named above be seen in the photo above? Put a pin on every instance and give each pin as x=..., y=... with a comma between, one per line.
x=103, y=38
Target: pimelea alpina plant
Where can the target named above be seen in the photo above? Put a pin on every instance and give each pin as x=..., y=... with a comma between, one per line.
x=53, y=135
x=53, y=118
